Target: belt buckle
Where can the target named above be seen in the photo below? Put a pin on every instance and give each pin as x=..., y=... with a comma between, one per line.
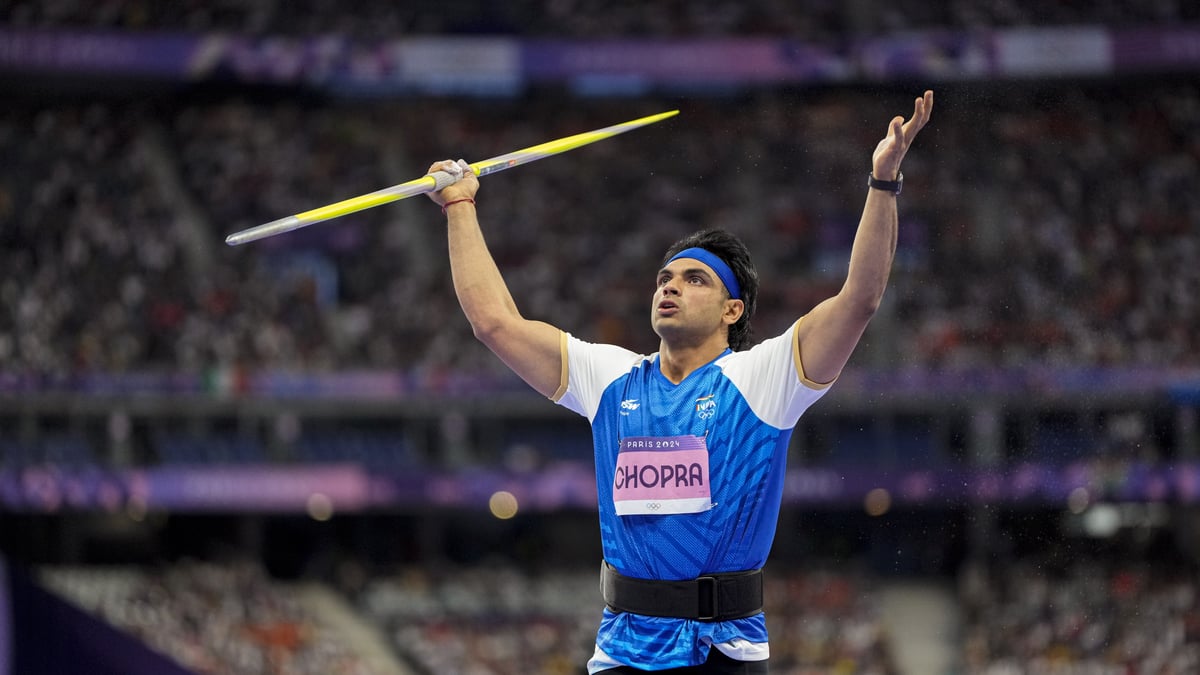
x=710, y=583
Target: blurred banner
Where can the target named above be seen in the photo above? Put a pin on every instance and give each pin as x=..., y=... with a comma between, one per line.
x=334, y=489
x=499, y=66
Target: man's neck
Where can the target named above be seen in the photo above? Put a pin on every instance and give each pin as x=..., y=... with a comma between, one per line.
x=677, y=362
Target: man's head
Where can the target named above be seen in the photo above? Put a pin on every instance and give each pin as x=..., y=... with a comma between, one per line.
x=729, y=260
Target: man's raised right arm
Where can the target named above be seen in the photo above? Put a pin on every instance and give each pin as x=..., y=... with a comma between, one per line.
x=532, y=349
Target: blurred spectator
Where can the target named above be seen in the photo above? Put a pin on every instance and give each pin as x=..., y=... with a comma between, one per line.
x=1085, y=616
x=1057, y=234
x=214, y=619
x=380, y=19
x=502, y=620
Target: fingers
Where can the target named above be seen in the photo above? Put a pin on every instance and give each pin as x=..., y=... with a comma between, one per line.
x=449, y=166
x=922, y=109
x=456, y=170
x=447, y=173
x=891, y=150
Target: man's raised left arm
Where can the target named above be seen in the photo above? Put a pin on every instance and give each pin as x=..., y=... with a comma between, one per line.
x=830, y=332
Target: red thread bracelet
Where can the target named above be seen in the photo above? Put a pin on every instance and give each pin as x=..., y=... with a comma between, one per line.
x=456, y=201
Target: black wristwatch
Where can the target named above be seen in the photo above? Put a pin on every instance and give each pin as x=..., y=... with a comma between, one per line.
x=892, y=186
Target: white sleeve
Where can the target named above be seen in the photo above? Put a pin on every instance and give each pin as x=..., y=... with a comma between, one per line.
x=590, y=369
x=771, y=378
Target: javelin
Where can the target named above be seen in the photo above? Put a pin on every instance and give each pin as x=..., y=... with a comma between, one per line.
x=437, y=180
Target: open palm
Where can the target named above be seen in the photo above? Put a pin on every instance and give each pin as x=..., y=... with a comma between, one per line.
x=885, y=162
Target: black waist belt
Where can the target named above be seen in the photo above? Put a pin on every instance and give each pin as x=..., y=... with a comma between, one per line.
x=712, y=597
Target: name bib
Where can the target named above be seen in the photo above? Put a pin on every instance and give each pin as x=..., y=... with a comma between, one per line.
x=662, y=475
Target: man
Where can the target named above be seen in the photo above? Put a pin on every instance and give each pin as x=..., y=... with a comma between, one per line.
x=690, y=442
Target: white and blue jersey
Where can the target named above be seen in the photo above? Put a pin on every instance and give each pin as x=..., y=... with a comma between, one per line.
x=689, y=478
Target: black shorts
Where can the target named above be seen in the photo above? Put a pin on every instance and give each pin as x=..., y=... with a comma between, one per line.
x=717, y=664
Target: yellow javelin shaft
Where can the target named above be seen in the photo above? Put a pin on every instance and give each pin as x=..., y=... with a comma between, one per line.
x=438, y=180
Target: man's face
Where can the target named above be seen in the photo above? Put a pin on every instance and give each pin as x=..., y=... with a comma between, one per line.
x=690, y=302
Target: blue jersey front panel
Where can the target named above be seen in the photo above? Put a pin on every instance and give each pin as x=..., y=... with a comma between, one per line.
x=744, y=406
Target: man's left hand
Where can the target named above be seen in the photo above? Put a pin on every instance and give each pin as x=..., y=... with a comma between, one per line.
x=885, y=163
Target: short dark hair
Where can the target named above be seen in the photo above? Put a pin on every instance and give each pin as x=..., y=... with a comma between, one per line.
x=726, y=246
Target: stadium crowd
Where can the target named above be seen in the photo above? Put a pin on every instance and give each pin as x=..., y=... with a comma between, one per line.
x=1044, y=224
x=491, y=620
x=212, y=618
x=486, y=619
x=232, y=618
x=1081, y=616
x=382, y=20
x=1048, y=224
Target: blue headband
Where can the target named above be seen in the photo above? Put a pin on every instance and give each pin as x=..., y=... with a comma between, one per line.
x=717, y=265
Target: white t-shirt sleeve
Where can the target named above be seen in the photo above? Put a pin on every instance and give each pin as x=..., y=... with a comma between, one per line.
x=590, y=369
x=771, y=378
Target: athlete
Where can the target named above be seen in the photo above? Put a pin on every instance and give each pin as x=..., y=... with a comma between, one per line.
x=690, y=442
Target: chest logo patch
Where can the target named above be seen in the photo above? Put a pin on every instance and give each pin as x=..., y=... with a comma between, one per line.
x=659, y=475
x=706, y=406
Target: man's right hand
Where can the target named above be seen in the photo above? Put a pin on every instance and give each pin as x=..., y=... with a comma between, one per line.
x=464, y=188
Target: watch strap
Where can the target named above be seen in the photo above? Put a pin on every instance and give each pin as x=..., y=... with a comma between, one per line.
x=893, y=186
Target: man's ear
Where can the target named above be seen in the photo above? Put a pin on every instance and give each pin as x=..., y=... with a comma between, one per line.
x=733, y=311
